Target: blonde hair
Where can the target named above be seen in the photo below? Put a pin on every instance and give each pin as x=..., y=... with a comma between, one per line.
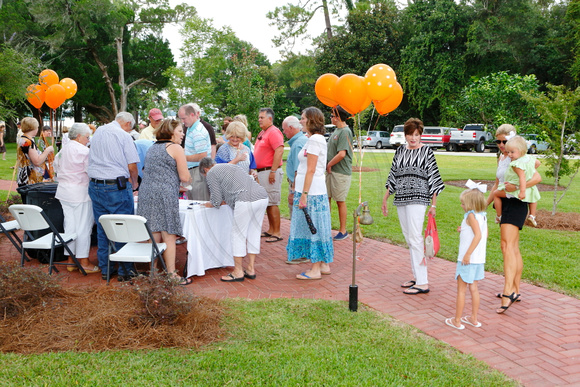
x=519, y=143
x=473, y=199
x=242, y=118
x=236, y=129
x=505, y=129
x=28, y=124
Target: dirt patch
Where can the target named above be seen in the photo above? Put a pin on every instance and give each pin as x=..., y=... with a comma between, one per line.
x=562, y=221
x=105, y=318
x=364, y=169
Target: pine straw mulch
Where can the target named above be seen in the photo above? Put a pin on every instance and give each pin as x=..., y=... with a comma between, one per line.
x=41, y=316
x=562, y=221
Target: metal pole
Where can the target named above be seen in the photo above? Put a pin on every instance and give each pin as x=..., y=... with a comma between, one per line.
x=353, y=288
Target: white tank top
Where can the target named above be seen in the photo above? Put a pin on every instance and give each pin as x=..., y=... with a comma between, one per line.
x=466, y=236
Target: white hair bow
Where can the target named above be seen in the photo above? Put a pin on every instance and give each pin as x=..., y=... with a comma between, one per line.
x=511, y=135
x=473, y=185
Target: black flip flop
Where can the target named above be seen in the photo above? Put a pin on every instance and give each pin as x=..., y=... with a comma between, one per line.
x=408, y=282
x=265, y=235
x=518, y=297
x=232, y=278
x=249, y=276
x=273, y=238
x=186, y=281
x=418, y=290
x=512, y=297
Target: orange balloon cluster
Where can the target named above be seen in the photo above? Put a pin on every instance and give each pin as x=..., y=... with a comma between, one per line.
x=50, y=91
x=354, y=93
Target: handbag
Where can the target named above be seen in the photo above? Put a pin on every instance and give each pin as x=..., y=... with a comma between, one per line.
x=431, y=238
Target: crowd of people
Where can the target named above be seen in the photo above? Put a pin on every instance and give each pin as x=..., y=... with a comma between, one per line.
x=173, y=158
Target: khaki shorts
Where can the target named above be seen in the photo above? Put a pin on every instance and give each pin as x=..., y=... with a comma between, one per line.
x=337, y=186
x=274, y=190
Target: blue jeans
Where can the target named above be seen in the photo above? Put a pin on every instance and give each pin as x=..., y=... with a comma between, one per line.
x=108, y=199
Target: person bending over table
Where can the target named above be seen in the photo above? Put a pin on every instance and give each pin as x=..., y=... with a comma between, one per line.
x=248, y=200
x=165, y=166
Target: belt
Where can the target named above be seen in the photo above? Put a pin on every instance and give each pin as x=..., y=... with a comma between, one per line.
x=265, y=169
x=193, y=167
x=104, y=181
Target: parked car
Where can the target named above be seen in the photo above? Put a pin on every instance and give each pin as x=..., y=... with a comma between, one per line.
x=534, y=144
x=329, y=130
x=570, y=145
x=473, y=136
x=437, y=136
x=377, y=138
x=397, y=136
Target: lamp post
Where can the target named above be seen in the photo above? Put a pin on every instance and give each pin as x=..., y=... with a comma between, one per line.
x=365, y=219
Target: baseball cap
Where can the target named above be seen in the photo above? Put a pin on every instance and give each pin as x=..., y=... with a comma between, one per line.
x=155, y=114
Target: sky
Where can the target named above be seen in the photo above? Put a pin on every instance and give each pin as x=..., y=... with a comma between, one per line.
x=247, y=19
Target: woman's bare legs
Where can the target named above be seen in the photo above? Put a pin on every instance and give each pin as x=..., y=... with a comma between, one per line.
x=512, y=261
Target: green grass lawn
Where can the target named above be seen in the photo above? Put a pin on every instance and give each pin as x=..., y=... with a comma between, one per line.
x=274, y=343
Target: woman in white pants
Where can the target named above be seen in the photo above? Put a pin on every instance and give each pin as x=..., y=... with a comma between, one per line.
x=415, y=181
x=70, y=165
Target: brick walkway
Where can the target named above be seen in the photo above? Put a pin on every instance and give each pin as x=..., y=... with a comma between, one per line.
x=537, y=341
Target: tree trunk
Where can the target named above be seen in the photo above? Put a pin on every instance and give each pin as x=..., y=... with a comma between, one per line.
x=121, y=64
x=327, y=19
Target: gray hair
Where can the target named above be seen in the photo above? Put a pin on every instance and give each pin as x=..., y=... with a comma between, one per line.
x=79, y=128
x=206, y=162
x=191, y=108
x=124, y=117
x=293, y=122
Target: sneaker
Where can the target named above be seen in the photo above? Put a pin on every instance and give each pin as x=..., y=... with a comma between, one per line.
x=340, y=236
x=532, y=219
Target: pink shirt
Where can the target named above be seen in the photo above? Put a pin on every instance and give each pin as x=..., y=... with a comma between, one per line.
x=267, y=142
x=70, y=165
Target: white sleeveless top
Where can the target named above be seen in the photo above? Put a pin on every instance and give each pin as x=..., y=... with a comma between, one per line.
x=466, y=236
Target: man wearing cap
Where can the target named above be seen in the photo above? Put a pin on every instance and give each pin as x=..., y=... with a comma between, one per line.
x=155, y=118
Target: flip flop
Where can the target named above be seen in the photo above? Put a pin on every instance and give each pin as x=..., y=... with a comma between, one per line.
x=232, y=278
x=408, y=284
x=265, y=235
x=186, y=281
x=95, y=269
x=249, y=276
x=326, y=272
x=303, y=276
x=449, y=321
x=465, y=320
x=273, y=238
x=416, y=290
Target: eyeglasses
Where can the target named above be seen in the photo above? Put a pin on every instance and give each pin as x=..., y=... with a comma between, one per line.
x=332, y=116
x=501, y=141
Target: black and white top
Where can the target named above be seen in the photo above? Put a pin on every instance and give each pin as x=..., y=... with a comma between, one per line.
x=229, y=183
x=414, y=176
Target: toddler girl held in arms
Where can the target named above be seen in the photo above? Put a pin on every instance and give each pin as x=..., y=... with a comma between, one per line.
x=471, y=258
x=522, y=168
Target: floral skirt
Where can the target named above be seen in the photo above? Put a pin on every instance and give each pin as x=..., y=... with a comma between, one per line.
x=302, y=243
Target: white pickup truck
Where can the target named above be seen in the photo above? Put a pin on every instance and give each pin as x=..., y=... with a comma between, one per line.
x=473, y=136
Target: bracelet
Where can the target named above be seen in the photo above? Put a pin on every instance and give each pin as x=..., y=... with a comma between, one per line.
x=305, y=193
x=433, y=206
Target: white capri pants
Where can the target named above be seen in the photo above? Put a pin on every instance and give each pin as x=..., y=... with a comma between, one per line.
x=78, y=218
x=412, y=218
x=247, y=227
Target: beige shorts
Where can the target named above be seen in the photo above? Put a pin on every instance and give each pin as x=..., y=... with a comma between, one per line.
x=274, y=190
x=337, y=186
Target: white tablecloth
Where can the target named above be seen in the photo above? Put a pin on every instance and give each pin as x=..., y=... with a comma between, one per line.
x=208, y=232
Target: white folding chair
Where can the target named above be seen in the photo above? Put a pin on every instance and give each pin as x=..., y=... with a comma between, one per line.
x=9, y=229
x=33, y=218
x=131, y=230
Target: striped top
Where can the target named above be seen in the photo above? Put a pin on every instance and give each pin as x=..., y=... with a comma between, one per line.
x=414, y=176
x=196, y=141
x=227, y=183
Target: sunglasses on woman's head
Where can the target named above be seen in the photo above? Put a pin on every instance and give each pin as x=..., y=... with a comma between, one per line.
x=501, y=141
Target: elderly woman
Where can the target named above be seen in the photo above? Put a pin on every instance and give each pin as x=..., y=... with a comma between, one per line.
x=415, y=181
x=513, y=217
x=248, y=140
x=30, y=159
x=310, y=194
x=249, y=200
x=70, y=165
x=234, y=151
x=165, y=167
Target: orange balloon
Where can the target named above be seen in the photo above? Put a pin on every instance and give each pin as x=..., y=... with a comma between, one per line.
x=351, y=92
x=35, y=95
x=388, y=105
x=380, y=80
x=55, y=96
x=324, y=89
x=70, y=87
x=47, y=78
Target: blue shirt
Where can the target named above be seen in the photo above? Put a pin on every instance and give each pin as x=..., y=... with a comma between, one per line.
x=196, y=142
x=142, y=148
x=296, y=144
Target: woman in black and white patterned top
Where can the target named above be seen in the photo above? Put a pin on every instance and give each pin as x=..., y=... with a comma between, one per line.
x=415, y=181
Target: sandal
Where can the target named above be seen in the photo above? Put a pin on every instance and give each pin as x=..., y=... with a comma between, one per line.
x=518, y=297
x=230, y=278
x=512, y=297
x=408, y=284
x=186, y=281
x=414, y=290
x=249, y=276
